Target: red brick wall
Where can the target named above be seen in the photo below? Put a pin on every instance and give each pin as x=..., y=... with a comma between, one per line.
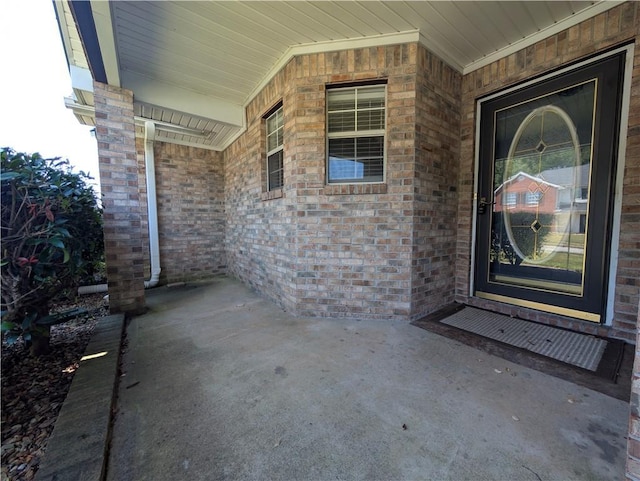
x=115, y=132
x=613, y=27
x=547, y=205
x=191, y=217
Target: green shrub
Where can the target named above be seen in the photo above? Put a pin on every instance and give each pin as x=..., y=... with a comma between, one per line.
x=51, y=239
x=522, y=234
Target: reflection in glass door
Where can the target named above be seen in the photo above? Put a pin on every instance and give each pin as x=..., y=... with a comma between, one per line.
x=541, y=190
x=545, y=188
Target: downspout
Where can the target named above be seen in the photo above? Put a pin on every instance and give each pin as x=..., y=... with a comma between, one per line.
x=152, y=208
x=94, y=289
x=152, y=211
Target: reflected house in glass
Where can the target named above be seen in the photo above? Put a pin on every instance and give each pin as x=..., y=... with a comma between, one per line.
x=562, y=192
x=573, y=195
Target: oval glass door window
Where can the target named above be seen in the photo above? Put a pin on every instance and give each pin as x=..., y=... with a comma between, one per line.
x=545, y=198
x=541, y=179
x=547, y=136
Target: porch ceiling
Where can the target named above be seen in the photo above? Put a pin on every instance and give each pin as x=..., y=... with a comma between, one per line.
x=193, y=66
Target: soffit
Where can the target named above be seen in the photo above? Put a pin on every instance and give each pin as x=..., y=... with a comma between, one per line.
x=225, y=49
x=199, y=63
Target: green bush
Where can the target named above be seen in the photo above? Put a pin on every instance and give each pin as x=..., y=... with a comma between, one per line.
x=51, y=240
x=523, y=236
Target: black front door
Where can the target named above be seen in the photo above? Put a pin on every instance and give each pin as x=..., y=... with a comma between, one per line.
x=545, y=191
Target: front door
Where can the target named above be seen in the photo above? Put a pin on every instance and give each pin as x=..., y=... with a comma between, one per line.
x=545, y=191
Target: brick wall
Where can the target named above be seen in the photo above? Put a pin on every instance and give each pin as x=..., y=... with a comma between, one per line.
x=633, y=441
x=613, y=27
x=354, y=241
x=115, y=132
x=260, y=227
x=435, y=180
x=348, y=250
x=398, y=249
x=191, y=217
x=375, y=250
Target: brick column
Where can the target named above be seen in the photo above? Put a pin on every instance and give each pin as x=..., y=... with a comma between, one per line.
x=633, y=441
x=115, y=131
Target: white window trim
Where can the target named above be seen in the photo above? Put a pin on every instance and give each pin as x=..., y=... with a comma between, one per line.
x=275, y=150
x=533, y=198
x=358, y=133
x=510, y=199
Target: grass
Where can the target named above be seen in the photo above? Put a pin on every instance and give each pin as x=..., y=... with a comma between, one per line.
x=575, y=240
x=570, y=262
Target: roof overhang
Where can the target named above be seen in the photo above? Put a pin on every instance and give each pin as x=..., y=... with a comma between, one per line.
x=194, y=66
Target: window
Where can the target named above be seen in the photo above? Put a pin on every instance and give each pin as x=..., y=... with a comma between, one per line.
x=533, y=198
x=355, y=134
x=275, y=127
x=511, y=199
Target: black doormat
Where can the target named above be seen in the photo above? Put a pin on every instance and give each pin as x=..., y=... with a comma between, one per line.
x=611, y=377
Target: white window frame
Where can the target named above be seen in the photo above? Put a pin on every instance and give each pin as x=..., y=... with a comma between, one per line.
x=533, y=198
x=279, y=148
x=357, y=133
x=510, y=199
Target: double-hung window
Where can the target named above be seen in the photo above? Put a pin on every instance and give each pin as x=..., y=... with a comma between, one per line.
x=533, y=198
x=356, y=134
x=275, y=128
x=511, y=199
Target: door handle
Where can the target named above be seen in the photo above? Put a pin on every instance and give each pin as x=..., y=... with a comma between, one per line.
x=482, y=205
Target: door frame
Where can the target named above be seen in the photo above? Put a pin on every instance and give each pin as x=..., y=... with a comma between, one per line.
x=619, y=174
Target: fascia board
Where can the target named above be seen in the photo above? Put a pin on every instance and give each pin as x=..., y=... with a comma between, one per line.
x=63, y=28
x=83, y=16
x=81, y=78
x=104, y=30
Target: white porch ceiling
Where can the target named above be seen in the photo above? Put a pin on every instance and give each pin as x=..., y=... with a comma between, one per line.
x=196, y=64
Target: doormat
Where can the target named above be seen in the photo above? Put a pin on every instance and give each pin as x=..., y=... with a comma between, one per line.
x=571, y=347
x=600, y=364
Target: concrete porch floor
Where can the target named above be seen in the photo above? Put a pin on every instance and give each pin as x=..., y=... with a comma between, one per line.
x=220, y=383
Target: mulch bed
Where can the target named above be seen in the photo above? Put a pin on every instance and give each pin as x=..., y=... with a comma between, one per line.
x=33, y=389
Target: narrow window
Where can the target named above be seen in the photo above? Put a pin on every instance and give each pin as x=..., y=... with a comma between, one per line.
x=356, y=134
x=274, y=125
